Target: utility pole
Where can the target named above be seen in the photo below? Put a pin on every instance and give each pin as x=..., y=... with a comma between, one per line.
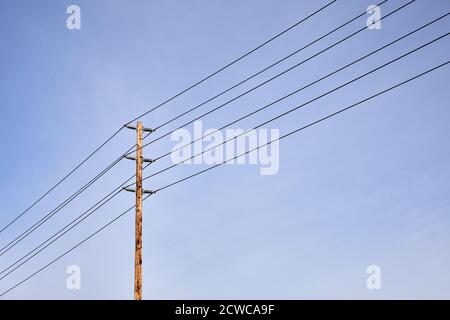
x=138, y=248
x=139, y=192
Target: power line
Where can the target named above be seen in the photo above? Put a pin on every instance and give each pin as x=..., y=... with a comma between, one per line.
x=285, y=113
x=19, y=238
x=53, y=212
x=266, y=68
x=27, y=257
x=49, y=215
x=290, y=94
x=31, y=229
x=297, y=107
x=119, y=188
x=210, y=168
x=271, y=79
x=68, y=227
x=61, y=181
x=243, y=133
x=302, y=128
x=158, y=106
x=76, y=246
x=237, y=60
x=217, y=165
x=74, y=223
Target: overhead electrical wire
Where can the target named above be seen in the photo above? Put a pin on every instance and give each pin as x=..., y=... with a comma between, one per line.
x=36, y=225
x=119, y=188
x=5, y=248
x=60, y=181
x=113, y=194
x=219, y=164
x=4, y=273
x=302, y=105
x=93, y=209
x=9, y=224
x=300, y=129
x=298, y=90
x=237, y=60
x=76, y=246
x=66, y=228
x=267, y=68
x=31, y=229
x=272, y=78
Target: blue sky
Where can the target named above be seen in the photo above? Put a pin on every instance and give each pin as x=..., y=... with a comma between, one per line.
x=368, y=187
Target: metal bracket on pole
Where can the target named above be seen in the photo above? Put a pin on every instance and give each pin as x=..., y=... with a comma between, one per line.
x=130, y=158
x=143, y=160
x=143, y=191
x=129, y=126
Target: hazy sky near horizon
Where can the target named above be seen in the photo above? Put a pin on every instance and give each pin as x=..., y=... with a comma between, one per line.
x=368, y=187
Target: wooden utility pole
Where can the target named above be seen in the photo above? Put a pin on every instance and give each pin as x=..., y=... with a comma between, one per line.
x=139, y=193
x=138, y=248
